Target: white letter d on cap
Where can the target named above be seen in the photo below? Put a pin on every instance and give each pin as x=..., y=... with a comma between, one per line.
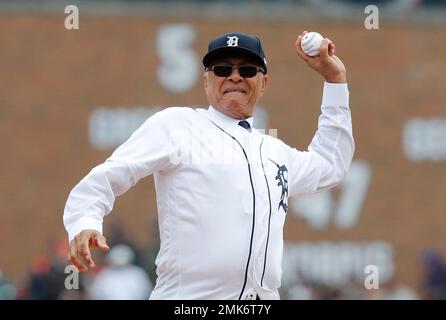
x=232, y=41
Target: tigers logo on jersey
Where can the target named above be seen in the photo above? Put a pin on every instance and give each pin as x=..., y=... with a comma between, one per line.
x=282, y=178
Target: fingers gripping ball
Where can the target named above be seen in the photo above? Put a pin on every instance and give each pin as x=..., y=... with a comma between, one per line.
x=311, y=42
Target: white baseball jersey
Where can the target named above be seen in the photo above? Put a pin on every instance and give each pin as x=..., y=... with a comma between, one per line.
x=222, y=194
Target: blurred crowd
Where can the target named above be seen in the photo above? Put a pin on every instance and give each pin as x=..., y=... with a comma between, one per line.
x=402, y=4
x=125, y=272
x=351, y=290
x=128, y=273
x=315, y=2
x=432, y=286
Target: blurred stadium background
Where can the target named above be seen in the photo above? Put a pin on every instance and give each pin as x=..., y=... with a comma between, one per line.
x=69, y=97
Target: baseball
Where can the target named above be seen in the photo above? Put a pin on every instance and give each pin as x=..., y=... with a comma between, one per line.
x=311, y=43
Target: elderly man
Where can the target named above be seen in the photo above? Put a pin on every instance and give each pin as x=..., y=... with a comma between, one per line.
x=222, y=186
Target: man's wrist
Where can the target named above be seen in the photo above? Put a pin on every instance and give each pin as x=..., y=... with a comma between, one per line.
x=340, y=78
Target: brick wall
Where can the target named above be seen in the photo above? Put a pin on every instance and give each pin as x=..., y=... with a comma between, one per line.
x=52, y=79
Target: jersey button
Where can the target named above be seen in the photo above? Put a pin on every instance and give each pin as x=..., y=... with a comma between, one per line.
x=250, y=295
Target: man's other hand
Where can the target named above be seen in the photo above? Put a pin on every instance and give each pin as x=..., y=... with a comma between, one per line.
x=79, y=248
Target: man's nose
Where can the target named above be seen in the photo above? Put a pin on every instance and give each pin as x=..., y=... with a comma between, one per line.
x=235, y=75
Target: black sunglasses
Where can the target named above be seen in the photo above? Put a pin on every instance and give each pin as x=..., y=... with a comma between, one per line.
x=226, y=70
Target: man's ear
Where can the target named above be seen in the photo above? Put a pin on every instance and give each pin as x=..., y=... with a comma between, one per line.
x=205, y=80
x=263, y=84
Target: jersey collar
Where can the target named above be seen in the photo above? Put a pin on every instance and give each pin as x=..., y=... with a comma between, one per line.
x=226, y=121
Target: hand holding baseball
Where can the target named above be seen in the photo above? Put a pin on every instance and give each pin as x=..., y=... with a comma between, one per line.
x=80, y=248
x=326, y=63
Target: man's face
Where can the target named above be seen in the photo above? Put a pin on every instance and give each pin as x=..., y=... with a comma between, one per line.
x=234, y=95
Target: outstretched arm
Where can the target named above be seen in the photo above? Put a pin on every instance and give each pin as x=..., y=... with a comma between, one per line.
x=331, y=151
x=145, y=152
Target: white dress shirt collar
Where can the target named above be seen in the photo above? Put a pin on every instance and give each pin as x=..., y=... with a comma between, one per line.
x=226, y=121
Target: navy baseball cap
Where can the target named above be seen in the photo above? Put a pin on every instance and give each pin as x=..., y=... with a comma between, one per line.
x=235, y=43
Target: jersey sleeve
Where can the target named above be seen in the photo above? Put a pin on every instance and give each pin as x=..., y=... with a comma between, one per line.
x=330, y=153
x=147, y=150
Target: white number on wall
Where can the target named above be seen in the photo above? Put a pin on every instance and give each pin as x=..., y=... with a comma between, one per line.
x=320, y=209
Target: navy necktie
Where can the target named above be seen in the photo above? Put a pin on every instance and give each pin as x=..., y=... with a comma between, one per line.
x=245, y=124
